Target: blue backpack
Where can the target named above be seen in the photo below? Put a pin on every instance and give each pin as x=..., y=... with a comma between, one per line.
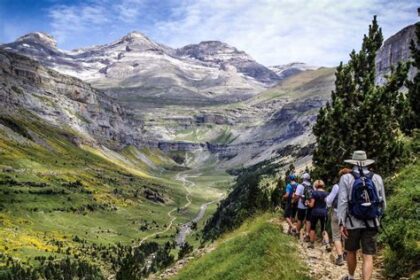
x=364, y=204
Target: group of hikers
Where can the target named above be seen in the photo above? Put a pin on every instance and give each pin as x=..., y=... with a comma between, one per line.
x=357, y=201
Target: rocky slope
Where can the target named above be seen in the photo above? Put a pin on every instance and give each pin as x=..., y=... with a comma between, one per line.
x=287, y=70
x=60, y=100
x=166, y=96
x=136, y=69
x=395, y=49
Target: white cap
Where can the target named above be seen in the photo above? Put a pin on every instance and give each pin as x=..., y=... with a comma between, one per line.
x=306, y=177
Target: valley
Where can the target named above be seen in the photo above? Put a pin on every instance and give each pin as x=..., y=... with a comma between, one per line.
x=114, y=158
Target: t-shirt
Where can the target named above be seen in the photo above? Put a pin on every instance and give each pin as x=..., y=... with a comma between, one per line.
x=290, y=188
x=320, y=206
x=299, y=191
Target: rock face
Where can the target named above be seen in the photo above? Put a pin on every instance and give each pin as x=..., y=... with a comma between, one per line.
x=149, y=95
x=287, y=70
x=137, y=70
x=60, y=100
x=225, y=56
x=395, y=49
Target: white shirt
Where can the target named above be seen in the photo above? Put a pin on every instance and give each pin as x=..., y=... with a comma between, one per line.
x=330, y=198
x=299, y=191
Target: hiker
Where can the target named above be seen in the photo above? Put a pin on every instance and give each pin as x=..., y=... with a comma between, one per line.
x=332, y=201
x=291, y=205
x=361, y=200
x=303, y=194
x=319, y=214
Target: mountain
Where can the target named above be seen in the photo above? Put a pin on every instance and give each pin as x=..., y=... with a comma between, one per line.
x=395, y=49
x=287, y=70
x=225, y=56
x=136, y=69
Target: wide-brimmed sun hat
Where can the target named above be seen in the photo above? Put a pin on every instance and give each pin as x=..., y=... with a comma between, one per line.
x=359, y=158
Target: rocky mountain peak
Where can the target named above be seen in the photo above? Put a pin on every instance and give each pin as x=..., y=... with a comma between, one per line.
x=210, y=51
x=39, y=38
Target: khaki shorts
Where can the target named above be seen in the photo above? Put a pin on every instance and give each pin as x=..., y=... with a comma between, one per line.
x=335, y=227
x=364, y=237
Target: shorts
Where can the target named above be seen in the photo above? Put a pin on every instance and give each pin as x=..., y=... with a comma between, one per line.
x=362, y=237
x=322, y=220
x=308, y=214
x=335, y=227
x=301, y=214
x=290, y=211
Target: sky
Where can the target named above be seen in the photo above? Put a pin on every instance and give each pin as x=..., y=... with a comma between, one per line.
x=317, y=32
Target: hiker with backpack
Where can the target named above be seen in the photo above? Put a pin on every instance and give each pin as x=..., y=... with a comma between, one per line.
x=332, y=202
x=303, y=194
x=361, y=201
x=291, y=204
x=319, y=213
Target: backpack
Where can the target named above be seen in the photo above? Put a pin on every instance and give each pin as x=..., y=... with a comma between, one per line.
x=307, y=192
x=294, y=187
x=364, y=203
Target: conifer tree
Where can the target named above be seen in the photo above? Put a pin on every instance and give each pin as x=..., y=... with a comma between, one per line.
x=361, y=115
x=413, y=96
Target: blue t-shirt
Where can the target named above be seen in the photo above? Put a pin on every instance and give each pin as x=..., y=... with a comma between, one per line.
x=320, y=206
x=291, y=188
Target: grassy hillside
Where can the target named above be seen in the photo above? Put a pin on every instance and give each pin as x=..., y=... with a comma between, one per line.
x=402, y=221
x=60, y=198
x=256, y=250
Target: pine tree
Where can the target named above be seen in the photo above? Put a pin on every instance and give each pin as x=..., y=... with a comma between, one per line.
x=361, y=115
x=413, y=96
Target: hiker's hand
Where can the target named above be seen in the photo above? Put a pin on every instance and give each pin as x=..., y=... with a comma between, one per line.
x=344, y=232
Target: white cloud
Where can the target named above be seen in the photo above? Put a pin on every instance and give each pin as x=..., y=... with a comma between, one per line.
x=279, y=31
x=319, y=32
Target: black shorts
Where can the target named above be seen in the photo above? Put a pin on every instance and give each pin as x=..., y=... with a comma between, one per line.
x=308, y=214
x=304, y=214
x=290, y=211
x=322, y=220
x=301, y=214
x=362, y=237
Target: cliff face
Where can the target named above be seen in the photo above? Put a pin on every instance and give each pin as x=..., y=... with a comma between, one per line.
x=395, y=49
x=61, y=100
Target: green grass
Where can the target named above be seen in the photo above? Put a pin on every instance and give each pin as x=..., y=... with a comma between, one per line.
x=402, y=224
x=257, y=250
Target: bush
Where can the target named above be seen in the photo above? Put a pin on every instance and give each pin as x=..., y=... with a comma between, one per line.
x=402, y=225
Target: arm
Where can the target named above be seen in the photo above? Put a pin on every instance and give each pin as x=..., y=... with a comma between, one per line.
x=330, y=198
x=288, y=191
x=381, y=189
x=311, y=203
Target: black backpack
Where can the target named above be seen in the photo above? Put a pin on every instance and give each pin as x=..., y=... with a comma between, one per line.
x=307, y=191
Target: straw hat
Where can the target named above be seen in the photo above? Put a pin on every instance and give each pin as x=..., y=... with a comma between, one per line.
x=359, y=158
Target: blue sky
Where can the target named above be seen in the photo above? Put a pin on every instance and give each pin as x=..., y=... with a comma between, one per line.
x=318, y=32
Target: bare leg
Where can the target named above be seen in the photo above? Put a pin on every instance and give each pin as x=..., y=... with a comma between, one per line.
x=325, y=237
x=312, y=235
x=351, y=261
x=290, y=223
x=308, y=227
x=367, y=266
x=298, y=227
x=338, y=247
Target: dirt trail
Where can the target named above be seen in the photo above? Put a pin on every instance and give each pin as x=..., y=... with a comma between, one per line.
x=321, y=263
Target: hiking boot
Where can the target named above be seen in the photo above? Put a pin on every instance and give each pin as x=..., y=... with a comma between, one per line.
x=339, y=260
x=311, y=245
x=328, y=247
x=347, y=278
